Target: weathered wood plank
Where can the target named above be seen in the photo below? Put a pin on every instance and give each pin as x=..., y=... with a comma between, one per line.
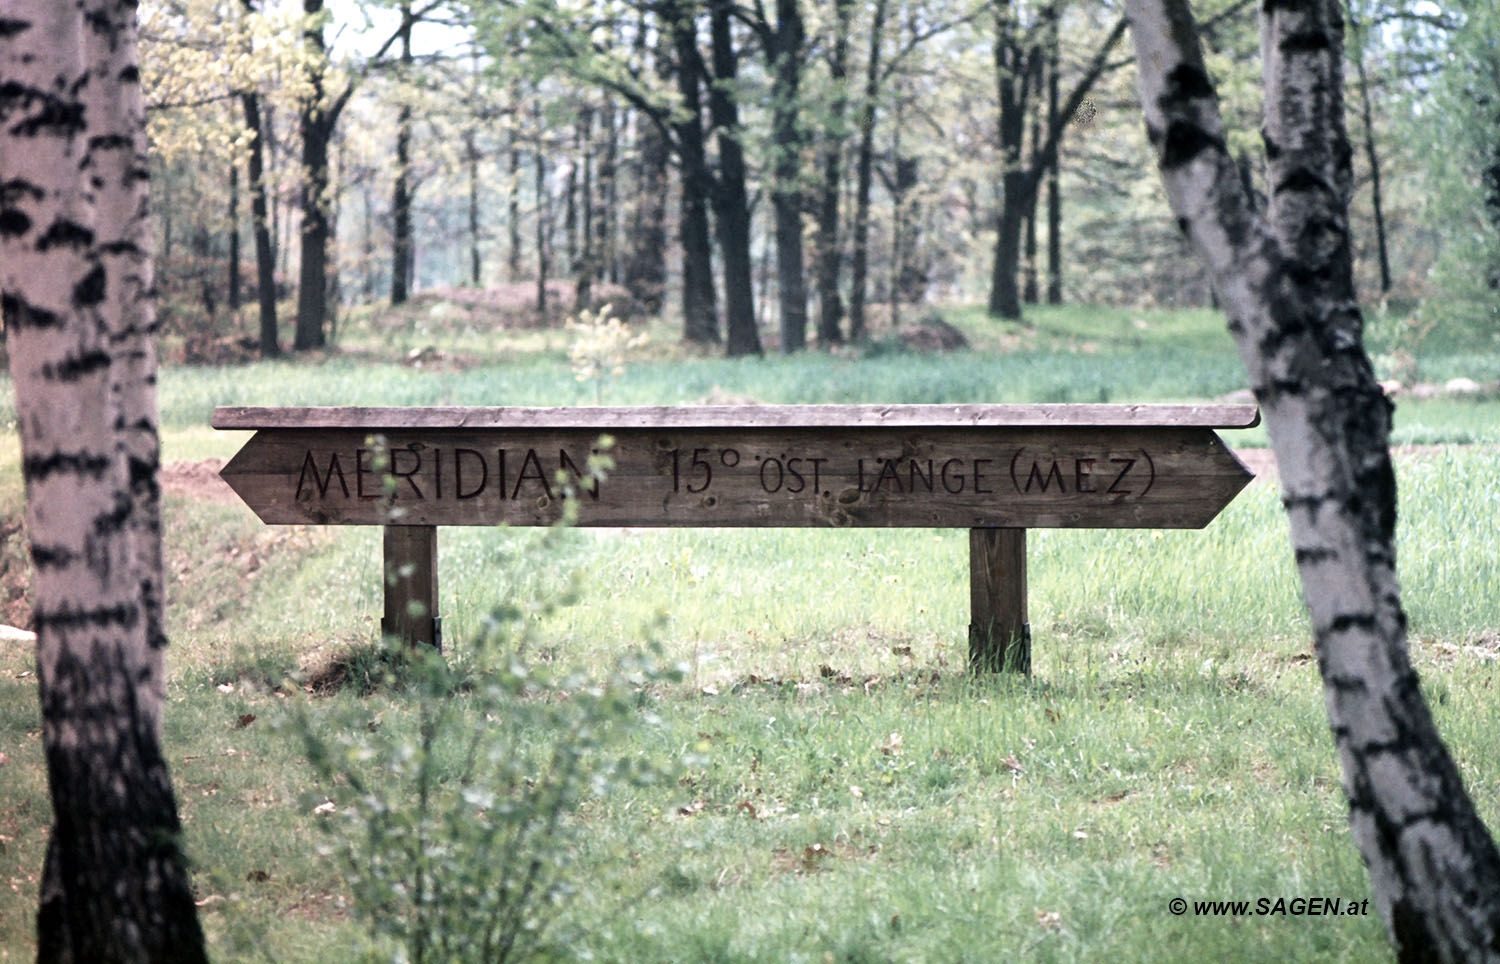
x=953, y=476
x=999, y=627
x=411, y=584
x=603, y=419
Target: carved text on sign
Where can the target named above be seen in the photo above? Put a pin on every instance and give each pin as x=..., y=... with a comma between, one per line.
x=942, y=476
x=418, y=472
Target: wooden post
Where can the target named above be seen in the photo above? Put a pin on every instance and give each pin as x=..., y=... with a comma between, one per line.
x=411, y=598
x=999, y=634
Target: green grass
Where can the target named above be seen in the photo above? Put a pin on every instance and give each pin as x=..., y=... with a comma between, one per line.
x=848, y=794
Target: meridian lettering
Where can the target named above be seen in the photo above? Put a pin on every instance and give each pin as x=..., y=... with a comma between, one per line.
x=309, y=464
x=422, y=471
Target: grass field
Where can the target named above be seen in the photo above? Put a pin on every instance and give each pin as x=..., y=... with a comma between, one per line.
x=843, y=791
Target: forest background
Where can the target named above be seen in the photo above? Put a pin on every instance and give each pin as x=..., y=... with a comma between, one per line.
x=744, y=180
x=766, y=178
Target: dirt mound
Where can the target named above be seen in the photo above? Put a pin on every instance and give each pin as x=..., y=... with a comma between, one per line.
x=197, y=480
x=931, y=334
x=514, y=305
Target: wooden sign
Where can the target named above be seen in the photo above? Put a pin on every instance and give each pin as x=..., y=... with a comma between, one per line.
x=931, y=466
x=994, y=469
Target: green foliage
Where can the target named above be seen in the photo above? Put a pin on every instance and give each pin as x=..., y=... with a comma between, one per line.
x=455, y=817
x=454, y=813
x=1464, y=117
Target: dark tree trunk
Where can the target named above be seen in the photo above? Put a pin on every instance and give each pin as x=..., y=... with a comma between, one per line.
x=1013, y=56
x=609, y=254
x=471, y=155
x=587, y=264
x=513, y=212
x=570, y=217
x=265, y=257
x=401, y=241
x=315, y=125
x=646, y=265
x=700, y=322
x=234, y=283
x=864, y=181
x=786, y=54
x=1030, y=294
x=830, y=305
x=543, y=217
x=908, y=277
x=312, y=305
x=731, y=203
x=1005, y=294
x=1368, y=117
x=1012, y=88
x=1054, y=195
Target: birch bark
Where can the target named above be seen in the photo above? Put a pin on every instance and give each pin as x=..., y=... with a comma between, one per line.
x=76, y=285
x=1286, y=284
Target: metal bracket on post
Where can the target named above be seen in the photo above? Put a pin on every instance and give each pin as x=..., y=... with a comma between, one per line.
x=411, y=591
x=999, y=633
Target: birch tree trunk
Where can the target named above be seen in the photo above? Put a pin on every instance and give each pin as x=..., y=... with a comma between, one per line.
x=76, y=282
x=1285, y=281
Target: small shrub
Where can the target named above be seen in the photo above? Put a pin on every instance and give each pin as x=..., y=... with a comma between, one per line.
x=455, y=822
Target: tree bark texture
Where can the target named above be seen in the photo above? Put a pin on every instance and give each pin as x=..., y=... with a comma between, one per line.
x=233, y=281
x=786, y=198
x=543, y=215
x=401, y=239
x=1286, y=283
x=608, y=199
x=700, y=322
x=471, y=160
x=588, y=264
x=859, y=268
x=513, y=195
x=314, y=125
x=730, y=197
x=646, y=264
x=1372, y=157
x=830, y=304
x=1054, y=193
x=76, y=280
x=1015, y=51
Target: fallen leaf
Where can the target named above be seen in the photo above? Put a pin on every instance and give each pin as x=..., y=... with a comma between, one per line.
x=1052, y=715
x=245, y=720
x=814, y=855
x=257, y=876
x=687, y=810
x=745, y=806
x=1012, y=764
x=827, y=671
x=892, y=745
